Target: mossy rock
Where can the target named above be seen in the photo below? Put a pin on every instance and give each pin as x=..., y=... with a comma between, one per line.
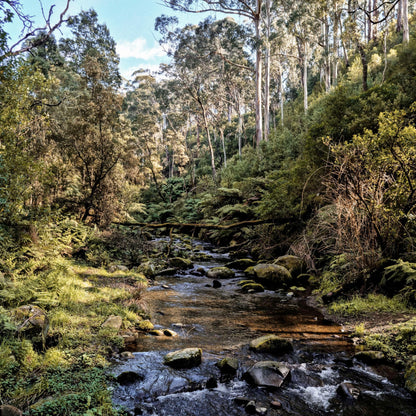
x=181, y=263
x=220, y=273
x=250, y=271
x=272, y=344
x=294, y=264
x=186, y=358
x=228, y=366
x=410, y=377
x=144, y=325
x=252, y=287
x=245, y=282
x=148, y=269
x=273, y=276
x=241, y=264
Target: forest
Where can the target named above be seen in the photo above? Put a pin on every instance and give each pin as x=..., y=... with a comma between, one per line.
x=277, y=128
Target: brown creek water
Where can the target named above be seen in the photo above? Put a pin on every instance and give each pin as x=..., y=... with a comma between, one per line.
x=222, y=321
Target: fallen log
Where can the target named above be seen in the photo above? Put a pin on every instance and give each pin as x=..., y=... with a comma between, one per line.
x=194, y=225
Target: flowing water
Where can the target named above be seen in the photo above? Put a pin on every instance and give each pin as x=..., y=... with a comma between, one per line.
x=222, y=321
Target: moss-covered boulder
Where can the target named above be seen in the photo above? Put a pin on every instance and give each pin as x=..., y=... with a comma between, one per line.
x=267, y=374
x=181, y=263
x=272, y=344
x=245, y=281
x=250, y=272
x=273, y=276
x=252, y=287
x=241, y=264
x=410, y=376
x=148, y=269
x=145, y=325
x=228, y=366
x=294, y=264
x=186, y=358
x=220, y=273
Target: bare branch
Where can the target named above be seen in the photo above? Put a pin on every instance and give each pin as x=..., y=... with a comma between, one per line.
x=48, y=29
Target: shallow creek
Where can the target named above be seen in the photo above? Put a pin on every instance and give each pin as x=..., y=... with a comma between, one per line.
x=222, y=321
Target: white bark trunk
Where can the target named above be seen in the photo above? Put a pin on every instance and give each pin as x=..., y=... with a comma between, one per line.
x=405, y=12
x=258, y=98
x=267, y=73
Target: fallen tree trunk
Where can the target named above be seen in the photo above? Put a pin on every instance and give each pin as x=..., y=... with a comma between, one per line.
x=196, y=225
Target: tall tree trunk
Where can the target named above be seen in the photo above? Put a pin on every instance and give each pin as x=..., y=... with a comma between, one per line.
x=281, y=96
x=399, y=24
x=328, y=56
x=405, y=12
x=211, y=149
x=369, y=23
x=240, y=131
x=364, y=63
x=305, y=76
x=267, y=73
x=335, y=48
x=376, y=16
x=258, y=98
x=223, y=147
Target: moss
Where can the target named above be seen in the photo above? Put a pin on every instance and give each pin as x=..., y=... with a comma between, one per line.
x=372, y=303
x=410, y=377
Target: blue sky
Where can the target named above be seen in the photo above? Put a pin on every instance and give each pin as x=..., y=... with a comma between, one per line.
x=131, y=24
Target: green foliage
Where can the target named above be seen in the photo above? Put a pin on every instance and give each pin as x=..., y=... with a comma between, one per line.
x=359, y=306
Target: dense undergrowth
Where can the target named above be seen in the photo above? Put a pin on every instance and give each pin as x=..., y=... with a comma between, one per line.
x=59, y=367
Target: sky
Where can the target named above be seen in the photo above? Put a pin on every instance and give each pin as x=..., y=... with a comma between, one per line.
x=131, y=24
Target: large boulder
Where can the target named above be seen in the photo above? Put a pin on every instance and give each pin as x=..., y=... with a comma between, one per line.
x=272, y=344
x=267, y=374
x=181, y=263
x=220, y=273
x=186, y=358
x=292, y=263
x=273, y=276
x=32, y=321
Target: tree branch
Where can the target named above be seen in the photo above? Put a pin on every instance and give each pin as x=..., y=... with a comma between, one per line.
x=44, y=37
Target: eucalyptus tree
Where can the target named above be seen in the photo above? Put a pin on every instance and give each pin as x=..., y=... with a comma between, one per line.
x=92, y=134
x=207, y=61
x=250, y=9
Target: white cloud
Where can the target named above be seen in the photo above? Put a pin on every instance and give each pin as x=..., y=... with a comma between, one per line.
x=128, y=73
x=138, y=49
